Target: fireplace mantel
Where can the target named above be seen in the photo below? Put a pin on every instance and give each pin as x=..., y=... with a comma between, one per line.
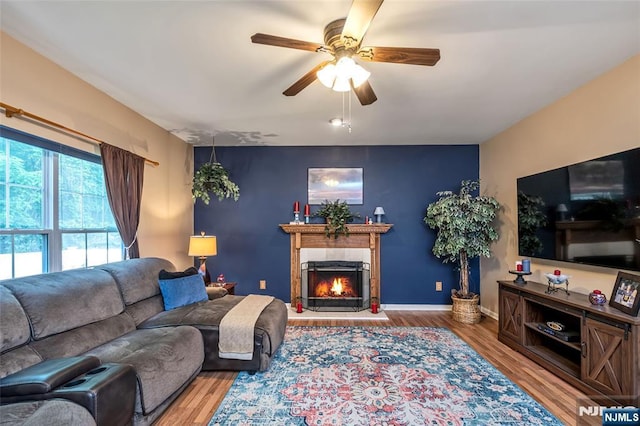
x=313, y=236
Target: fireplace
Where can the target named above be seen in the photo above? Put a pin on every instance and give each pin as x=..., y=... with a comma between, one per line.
x=335, y=285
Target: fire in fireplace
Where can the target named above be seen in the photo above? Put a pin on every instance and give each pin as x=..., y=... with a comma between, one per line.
x=335, y=285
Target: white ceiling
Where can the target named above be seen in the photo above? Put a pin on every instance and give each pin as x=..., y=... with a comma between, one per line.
x=190, y=66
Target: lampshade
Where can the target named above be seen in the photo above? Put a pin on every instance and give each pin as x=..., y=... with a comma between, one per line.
x=378, y=210
x=341, y=75
x=562, y=208
x=203, y=245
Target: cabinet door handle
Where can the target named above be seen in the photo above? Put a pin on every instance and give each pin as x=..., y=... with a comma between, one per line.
x=519, y=320
x=583, y=349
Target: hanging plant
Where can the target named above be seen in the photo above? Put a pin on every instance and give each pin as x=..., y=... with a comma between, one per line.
x=212, y=178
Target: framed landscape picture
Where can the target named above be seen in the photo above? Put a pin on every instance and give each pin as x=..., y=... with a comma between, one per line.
x=625, y=295
x=335, y=183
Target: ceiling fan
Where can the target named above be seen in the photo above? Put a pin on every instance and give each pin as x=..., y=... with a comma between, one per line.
x=343, y=40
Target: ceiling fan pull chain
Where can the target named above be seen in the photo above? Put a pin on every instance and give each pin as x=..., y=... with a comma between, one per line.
x=349, y=111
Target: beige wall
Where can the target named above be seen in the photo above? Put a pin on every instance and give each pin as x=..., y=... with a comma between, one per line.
x=33, y=83
x=600, y=118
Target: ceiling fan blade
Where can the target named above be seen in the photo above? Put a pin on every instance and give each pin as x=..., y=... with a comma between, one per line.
x=400, y=55
x=306, y=80
x=291, y=43
x=358, y=20
x=365, y=94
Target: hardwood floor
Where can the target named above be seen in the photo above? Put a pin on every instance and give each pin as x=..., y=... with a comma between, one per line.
x=199, y=401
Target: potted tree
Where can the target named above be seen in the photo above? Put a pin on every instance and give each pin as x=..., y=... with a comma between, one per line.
x=464, y=224
x=337, y=214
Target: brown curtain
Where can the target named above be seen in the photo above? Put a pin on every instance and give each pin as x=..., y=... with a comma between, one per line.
x=123, y=176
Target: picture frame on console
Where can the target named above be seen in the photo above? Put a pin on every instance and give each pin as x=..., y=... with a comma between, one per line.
x=335, y=183
x=626, y=293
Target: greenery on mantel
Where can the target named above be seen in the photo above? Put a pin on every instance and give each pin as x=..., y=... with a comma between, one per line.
x=337, y=214
x=465, y=229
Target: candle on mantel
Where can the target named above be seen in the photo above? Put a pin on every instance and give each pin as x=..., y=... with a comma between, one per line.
x=299, y=307
x=307, y=210
x=296, y=207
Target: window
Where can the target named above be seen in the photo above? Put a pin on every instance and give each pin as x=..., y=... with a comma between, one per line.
x=53, y=206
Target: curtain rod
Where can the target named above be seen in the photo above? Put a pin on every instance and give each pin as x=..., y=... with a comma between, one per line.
x=11, y=111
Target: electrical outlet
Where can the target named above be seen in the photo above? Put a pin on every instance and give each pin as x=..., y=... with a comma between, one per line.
x=438, y=285
x=263, y=284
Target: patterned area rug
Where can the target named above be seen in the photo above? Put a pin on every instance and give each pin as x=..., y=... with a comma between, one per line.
x=377, y=376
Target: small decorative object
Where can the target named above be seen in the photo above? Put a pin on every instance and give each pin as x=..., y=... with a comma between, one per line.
x=220, y=280
x=555, y=280
x=366, y=220
x=299, y=305
x=296, y=212
x=526, y=265
x=562, y=211
x=307, y=213
x=378, y=213
x=625, y=295
x=597, y=298
x=375, y=305
x=337, y=215
x=520, y=274
x=519, y=266
x=554, y=325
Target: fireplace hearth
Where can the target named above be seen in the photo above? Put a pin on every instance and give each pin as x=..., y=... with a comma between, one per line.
x=335, y=285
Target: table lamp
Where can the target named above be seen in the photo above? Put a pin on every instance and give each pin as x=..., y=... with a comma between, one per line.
x=562, y=210
x=203, y=246
x=378, y=212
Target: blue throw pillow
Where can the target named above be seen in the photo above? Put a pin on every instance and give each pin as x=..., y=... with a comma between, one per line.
x=182, y=291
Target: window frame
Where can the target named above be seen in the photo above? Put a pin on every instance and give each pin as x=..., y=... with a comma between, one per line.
x=52, y=232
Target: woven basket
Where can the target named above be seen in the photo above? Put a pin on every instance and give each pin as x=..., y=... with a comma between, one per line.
x=466, y=310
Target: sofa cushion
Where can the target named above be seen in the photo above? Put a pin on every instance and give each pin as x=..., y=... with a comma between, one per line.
x=137, y=278
x=146, y=308
x=17, y=359
x=14, y=325
x=182, y=291
x=61, y=301
x=167, y=275
x=163, y=358
x=52, y=412
x=206, y=316
x=75, y=342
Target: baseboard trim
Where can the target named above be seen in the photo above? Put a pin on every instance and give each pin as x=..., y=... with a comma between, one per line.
x=489, y=313
x=393, y=307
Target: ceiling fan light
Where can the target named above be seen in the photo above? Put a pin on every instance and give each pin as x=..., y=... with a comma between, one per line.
x=341, y=84
x=359, y=75
x=345, y=65
x=327, y=75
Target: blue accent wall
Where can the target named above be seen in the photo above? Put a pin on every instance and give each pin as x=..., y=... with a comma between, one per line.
x=402, y=179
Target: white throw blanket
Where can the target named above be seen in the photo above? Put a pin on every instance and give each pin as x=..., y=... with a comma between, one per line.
x=237, y=327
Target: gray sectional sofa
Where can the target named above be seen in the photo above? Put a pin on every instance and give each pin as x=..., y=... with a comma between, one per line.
x=114, y=314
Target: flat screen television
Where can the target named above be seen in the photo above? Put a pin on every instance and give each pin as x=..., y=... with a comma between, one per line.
x=586, y=213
